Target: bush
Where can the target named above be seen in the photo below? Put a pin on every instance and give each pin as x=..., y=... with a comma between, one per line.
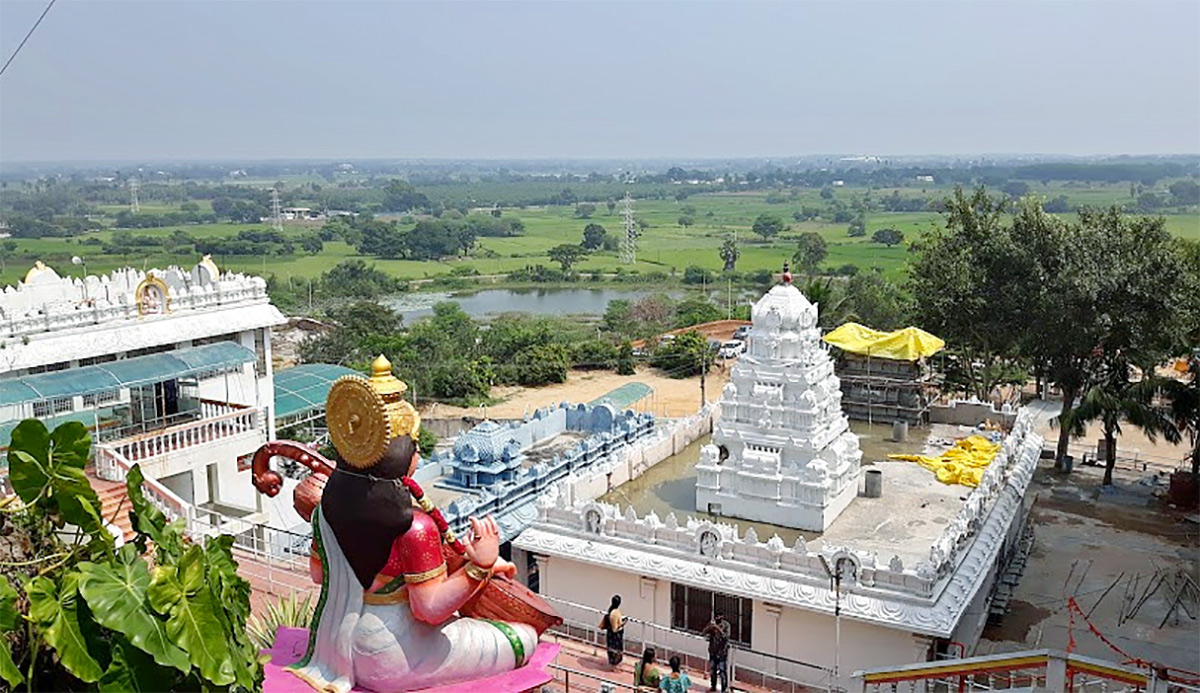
x=542, y=364
x=698, y=275
x=684, y=356
x=625, y=362
x=591, y=354
x=171, y=617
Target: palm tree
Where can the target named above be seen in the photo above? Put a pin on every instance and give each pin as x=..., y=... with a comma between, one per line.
x=830, y=297
x=1115, y=398
x=730, y=254
x=1183, y=399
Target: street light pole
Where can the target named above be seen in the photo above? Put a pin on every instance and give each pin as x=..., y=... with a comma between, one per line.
x=837, y=626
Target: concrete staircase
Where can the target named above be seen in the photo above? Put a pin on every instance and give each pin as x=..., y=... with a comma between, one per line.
x=1011, y=575
x=114, y=502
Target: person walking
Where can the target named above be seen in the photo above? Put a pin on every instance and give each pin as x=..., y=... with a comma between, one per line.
x=645, y=675
x=717, y=631
x=613, y=625
x=677, y=681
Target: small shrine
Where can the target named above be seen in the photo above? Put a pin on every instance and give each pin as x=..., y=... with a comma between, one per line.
x=782, y=451
x=485, y=455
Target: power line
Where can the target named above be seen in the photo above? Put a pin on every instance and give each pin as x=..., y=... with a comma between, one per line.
x=22, y=44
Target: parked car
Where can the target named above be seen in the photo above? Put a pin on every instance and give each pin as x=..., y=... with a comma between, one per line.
x=742, y=332
x=732, y=349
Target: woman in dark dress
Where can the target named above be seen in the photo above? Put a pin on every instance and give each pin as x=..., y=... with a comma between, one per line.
x=613, y=625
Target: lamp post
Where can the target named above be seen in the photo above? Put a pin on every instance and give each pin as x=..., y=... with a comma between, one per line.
x=77, y=260
x=843, y=566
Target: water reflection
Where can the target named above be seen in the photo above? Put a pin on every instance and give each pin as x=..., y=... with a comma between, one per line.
x=493, y=302
x=670, y=485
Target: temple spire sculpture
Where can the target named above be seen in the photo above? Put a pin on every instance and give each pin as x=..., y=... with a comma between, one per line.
x=782, y=451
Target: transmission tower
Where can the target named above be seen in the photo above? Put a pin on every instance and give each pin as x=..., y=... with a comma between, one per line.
x=133, y=198
x=276, y=211
x=629, y=241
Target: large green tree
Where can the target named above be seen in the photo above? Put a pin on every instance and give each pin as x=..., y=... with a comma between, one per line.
x=961, y=290
x=811, y=249
x=768, y=226
x=566, y=255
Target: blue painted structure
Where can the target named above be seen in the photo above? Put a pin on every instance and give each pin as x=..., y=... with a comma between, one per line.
x=486, y=463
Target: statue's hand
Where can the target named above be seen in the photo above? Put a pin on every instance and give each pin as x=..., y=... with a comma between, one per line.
x=484, y=548
x=504, y=568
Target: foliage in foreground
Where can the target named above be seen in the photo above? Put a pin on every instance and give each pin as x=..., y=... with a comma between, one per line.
x=159, y=613
x=287, y=612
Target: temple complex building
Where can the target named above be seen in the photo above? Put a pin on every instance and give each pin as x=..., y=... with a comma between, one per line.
x=826, y=555
x=168, y=368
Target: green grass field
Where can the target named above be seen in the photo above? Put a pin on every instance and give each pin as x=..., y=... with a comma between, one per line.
x=664, y=247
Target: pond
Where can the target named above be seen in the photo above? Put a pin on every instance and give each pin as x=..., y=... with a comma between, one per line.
x=492, y=302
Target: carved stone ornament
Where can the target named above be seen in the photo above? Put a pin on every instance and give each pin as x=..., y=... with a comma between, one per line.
x=710, y=543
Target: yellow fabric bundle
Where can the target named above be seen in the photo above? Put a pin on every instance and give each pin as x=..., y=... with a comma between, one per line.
x=908, y=344
x=962, y=464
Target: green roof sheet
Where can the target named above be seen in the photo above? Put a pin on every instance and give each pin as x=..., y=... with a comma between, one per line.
x=303, y=389
x=130, y=372
x=623, y=397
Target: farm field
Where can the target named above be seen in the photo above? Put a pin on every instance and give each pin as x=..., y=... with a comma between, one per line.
x=665, y=246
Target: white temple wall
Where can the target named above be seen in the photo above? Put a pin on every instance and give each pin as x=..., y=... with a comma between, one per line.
x=594, y=586
x=811, y=637
x=785, y=631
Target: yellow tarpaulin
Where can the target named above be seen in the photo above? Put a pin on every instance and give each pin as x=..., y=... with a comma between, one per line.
x=908, y=344
x=963, y=463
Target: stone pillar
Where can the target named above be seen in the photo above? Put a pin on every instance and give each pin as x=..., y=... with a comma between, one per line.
x=543, y=566
x=1056, y=674
x=772, y=612
x=647, y=589
x=521, y=560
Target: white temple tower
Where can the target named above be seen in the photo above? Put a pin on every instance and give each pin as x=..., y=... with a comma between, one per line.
x=782, y=451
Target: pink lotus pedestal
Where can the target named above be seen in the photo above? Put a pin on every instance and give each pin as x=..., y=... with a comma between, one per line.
x=290, y=644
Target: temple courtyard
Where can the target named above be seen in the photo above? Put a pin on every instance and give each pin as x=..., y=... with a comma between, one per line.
x=1106, y=549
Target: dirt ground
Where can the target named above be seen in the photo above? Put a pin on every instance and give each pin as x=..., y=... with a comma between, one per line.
x=670, y=397
x=1089, y=542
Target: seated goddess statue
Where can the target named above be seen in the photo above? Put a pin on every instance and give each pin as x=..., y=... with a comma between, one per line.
x=386, y=619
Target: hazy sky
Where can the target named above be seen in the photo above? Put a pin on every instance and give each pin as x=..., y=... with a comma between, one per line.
x=172, y=79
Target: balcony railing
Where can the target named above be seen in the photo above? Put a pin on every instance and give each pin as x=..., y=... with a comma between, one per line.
x=146, y=446
x=113, y=466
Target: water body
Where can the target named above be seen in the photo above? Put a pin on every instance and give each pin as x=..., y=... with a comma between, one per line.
x=492, y=302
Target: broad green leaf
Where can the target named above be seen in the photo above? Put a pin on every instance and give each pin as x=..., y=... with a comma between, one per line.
x=116, y=594
x=46, y=469
x=183, y=595
x=146, y=518
x=133, y=671
x=31, y=437
x=233, y=593
x=233, y=590
x=70, y=444
x=10, y=618
x=55, y=610
x=8, y=669
x=27, y=472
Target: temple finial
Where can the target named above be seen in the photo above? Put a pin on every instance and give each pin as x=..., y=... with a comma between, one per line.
x=381, y=367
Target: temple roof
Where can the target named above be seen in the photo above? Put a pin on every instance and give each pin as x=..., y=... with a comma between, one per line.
x=788, y=303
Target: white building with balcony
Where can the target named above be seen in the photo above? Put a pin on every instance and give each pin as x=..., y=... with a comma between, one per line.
x=169, y=369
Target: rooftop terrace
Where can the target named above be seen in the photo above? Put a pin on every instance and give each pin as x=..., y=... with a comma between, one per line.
x=912, y=512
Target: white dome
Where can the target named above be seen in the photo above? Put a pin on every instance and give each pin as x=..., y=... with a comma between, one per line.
x=783, y=308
